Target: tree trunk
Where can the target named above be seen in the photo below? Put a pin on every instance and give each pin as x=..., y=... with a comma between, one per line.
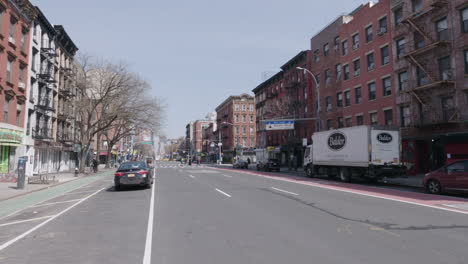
x=84, y=150
x=108, y=159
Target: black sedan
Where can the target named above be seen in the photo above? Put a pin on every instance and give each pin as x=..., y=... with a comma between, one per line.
x=269, y=165
x=133, y=173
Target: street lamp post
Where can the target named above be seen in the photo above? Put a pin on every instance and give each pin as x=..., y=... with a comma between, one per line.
x=317, y=90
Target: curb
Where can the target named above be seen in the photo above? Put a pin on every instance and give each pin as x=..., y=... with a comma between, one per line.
x=45, y=187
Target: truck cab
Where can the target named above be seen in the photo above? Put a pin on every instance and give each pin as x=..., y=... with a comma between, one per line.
x=308, y=161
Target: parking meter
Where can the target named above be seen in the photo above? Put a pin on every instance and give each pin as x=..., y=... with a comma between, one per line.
x=21, y=172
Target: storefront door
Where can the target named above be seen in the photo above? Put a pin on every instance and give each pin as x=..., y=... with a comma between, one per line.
x=4, y=157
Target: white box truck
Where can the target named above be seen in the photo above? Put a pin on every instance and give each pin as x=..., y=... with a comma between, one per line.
x=370, y=152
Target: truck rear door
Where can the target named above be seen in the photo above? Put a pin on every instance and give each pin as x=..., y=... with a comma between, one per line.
x=385, y=147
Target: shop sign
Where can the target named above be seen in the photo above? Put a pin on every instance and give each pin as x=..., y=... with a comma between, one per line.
x=9, y=136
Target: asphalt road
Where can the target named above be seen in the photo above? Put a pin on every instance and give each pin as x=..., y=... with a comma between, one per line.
x=206, y=215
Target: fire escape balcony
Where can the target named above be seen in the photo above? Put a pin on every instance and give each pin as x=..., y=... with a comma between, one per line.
x=423, y=49
x=67, y=91
x=437, y=117
x=445, y=80
x=434, y=5
x=45, y=104
x=46, y=76
x=292, y=84
x=65, y=138
x=42, y=133
x=49, y=53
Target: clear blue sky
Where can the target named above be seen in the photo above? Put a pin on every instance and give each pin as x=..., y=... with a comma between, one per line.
x=195, y=53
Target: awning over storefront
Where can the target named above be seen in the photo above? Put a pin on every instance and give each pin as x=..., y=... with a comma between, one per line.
x=9, y=137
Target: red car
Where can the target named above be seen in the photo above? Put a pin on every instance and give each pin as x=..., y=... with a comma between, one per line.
x=451, y=177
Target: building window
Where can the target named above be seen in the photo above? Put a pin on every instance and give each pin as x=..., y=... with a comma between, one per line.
x=252, y=130
x=465, y=52
x=357, y=67
x=23, y=41
x=21, y=74
x=418, y=40
x=329, y=124
x=316, y=56
x=244, y=130
x=405, y=116
x=236, y=107
x=345, y=47
x=387, y=86
x=346, y=71
x=13, y=22
x=369, y=34
x=339, y=99
x=347, y=97
x=252, y=107
x=28, y=124
x=442, y=29
x=9, y=70
x=338, y=69
x=305, y=92
x=371, y=87
x=400, y=47
x=243, y=119
x=328, y=103
x=251, y=118
x=382, y=26
x=237, y=130
x=337, y=43
x=370, y=61
x=417, y=5
x=244, y=107
x=327, y=76
x=388, y=117
x=6, y=109
x=358, y=95
x=421, y=77
x=326, y=49
x=349, y=122
x=398, y=15
x=355, y=41
x=340, y=122
x=18, y=114
x=448, y=110
x=236, y=118
x=384, y=52
x=403, y=81
x=359, y=120
x=464, y=19
x=373, y=118
x=445, y=73
x=317, y=78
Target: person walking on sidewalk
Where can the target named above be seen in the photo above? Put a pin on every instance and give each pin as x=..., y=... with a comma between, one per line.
x=95, y=165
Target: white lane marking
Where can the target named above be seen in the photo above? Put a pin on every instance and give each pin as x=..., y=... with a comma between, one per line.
x=149, y=230
x=284, y=191
x=229, y=176
x=27, y=220
x=318, y=185
x=47, y=204
x=223, y=192
x=12, y=241
x=80, y=192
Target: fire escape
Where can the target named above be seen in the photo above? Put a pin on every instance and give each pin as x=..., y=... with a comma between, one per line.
x=431, y=92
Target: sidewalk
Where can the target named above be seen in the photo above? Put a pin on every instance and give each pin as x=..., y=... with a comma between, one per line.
x=8, y=189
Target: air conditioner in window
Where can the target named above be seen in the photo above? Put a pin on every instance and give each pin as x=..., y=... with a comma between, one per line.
x=381, y=31
x=329, y=108
x=357, y=72
x=21, y=85
x=11, y=40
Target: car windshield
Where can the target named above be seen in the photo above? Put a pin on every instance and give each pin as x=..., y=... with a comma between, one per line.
x=132, y=166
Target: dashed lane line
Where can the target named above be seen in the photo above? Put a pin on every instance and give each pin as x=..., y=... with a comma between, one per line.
x=27, y=220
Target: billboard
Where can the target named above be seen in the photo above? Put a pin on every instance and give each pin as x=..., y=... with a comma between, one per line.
x=280, y=125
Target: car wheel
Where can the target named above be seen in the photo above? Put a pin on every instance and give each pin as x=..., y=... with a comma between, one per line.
x=344, y=175
x=433, y=187
x=309, y=172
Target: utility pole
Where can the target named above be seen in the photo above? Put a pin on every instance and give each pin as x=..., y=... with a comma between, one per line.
x=220, y=144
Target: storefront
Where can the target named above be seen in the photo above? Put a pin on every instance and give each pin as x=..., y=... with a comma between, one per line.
x=9, y=140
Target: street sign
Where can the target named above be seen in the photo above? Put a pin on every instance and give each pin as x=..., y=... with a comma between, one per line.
x=220, y=144
x=212, y=145
x=280, y=125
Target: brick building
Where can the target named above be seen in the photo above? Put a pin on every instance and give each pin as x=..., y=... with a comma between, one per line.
x=431, y=66
x=198, y=129
x=236, y=119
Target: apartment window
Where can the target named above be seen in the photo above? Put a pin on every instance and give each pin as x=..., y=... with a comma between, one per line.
x=327, y=76
x=421, y=77
x=236, y=118
x=328, y=103
x=23, y=40
x=9, y=70
x=6, y=108
x=345, y=47
x=347, y=97
x=359, y=120
x=358, y=95
x=400, y=47
x=442, y=29
x=244, y=130
x=346, y=71
x=403, y=81
x=373, y=118
x=243, y=118
x=370, y=61
x=329, y=124
x=417, y=5
x=465, y=52
x=338, y=69
x=244, y=107
x=445, y=73
x=237, y=130
x=398, y=15
x=305, y=92
x=355, y=41
x=418, y=40
x=236, y=107
x=340, y=122
x=464, y=19
x=317, y=78
x=448, y=108
x=371, y=88
x=384, y=52
x=326, y=49
x=349, y=122
x=316, y=56
x=357, y=67
x=337, y=43
x=388, y=114
x=28, y=124
x=369, y=34
x=251, y=118
x=2, y=11
x=339, y=99
x=252, y=107
x=18, y=114
x=252, y=130
x=405, y=116
x=387, y=86
x=13, y=22
x=382, y=26
x=21, y=73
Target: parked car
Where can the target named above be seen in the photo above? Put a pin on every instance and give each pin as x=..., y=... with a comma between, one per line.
x=241, y=164
x=133, y=173
x=451, y=177
x=269, y=165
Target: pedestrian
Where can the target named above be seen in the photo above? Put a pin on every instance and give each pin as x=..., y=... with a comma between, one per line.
x=248, y=161
x=95, y=165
